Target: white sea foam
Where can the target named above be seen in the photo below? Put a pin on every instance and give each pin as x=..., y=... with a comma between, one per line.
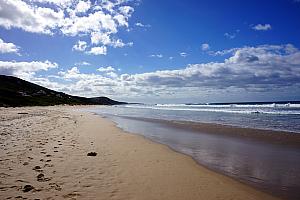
x=273, y=105
x=261, y=116
x=241, y=109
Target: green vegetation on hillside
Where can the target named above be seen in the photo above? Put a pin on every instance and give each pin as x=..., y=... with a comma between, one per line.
x=17, y=92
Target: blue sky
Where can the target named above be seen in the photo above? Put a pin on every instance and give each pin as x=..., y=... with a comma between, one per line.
x=155, y=51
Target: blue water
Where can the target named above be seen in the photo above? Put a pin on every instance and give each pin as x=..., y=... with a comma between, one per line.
x=283, y=117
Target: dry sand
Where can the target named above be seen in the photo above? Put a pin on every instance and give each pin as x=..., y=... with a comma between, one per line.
x=46, y=148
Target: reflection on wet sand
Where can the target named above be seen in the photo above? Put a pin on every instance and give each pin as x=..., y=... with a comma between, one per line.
x=274, y=168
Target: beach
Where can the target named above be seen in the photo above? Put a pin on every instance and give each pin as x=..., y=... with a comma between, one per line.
x=44, y=155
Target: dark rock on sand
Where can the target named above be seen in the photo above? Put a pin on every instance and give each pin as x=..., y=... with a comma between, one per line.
x=92, y=154
x=27, y=188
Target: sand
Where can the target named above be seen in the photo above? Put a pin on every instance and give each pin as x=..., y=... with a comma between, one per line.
x=43, y=155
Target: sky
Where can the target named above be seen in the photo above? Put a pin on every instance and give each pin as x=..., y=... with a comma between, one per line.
x=151, y=51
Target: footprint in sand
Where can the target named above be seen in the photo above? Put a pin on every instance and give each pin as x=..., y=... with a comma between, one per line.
x=55, y=186
x=37, y=168
x=48, y=165
x=26, y=163
x=17, y=197
x=41, y=178
x=4, y=175
x=71, y=195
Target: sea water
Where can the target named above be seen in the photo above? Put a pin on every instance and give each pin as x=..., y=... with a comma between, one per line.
x=282, y=117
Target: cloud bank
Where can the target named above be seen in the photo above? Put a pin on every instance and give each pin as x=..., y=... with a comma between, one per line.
x=25, y=69
x=262, y=68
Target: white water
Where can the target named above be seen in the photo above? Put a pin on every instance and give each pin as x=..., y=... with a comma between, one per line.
x=282, y=117
x=275, y=109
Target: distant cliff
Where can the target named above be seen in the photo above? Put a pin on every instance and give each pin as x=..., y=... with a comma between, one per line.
x=17, y=92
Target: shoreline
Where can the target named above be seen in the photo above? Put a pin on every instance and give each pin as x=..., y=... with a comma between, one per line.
x=261, y=135
x=127, y=166
x=218, y=172
x=268, y=139
x=188, y=157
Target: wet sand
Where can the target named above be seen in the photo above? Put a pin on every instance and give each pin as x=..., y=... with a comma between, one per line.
x=235, y=153
x=269, y=136
x=44, y=156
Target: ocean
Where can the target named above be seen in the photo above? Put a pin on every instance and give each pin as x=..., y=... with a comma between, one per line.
x=273, y=168
x=273, y=116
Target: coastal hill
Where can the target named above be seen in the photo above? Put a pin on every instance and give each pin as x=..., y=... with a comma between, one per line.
x=17, y=92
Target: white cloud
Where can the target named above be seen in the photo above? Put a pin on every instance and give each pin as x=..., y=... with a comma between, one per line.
x=126, y=10
x=262, y=27
x=253, y=69
x=80, y=46
x=118, y=43
x=156, y=56
x=83, y=63
x=93, y=22
x=223, y=52
x=183, y=54
x=205, y=47
x=98, y=50
x=112, y=74
x=59, y=3
x=106, y=69
x=104, y=39
x=139, y=24
x=19, y=14
x=121, y=19
x=74, y=70
x=264, y=68
x=267, y=67
x=68, y=17
x=8, y=47
x=230, y=35
x=83, y=6
x=25, y=69
x=35, y=18
x=90, y=84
